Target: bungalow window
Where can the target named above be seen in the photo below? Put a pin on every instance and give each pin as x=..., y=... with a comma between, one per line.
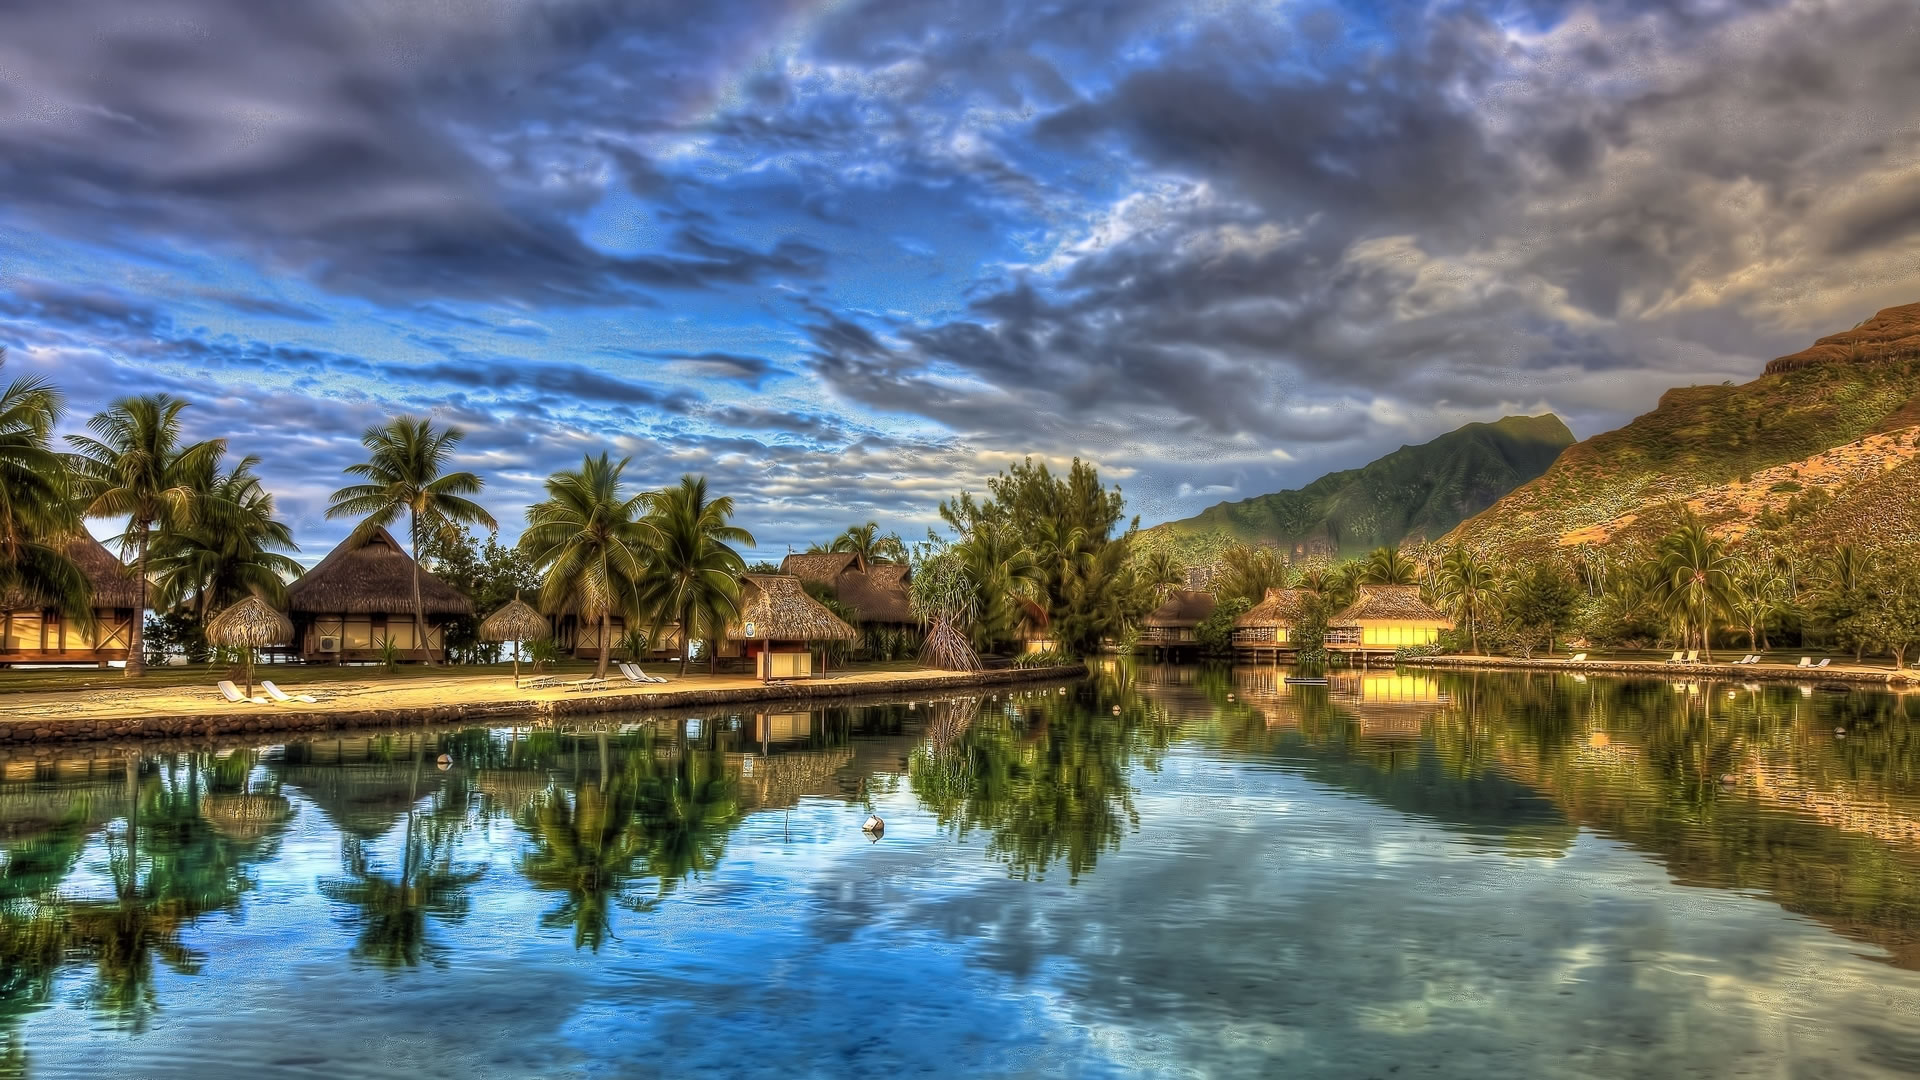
x=357, y=633
x=23, y=631
x=399, y=632
x=73, y=637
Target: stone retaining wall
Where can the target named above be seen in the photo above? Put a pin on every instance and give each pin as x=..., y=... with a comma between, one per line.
x=290, y=718
x=1902, y=680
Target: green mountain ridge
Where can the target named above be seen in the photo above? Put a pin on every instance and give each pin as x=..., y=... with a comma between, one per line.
x=1415, y=493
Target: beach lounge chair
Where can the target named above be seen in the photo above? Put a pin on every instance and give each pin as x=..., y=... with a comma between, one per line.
x=1693, y=657
x=232, y=694
x=1805, y=661
x=1824, y=661
x=283, y=697
x=595, y=683
x=543, y=682
x=1675, y=658
x=633, y=673
x=1576, y=658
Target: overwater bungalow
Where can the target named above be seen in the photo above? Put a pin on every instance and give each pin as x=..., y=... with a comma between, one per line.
x=779, y=625
x=1383, y=618
x=360, y=597
x=1170, y=627
x=1267, y=627
x=34, y=634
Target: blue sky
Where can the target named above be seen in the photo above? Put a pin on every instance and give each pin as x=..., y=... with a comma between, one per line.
x=847, y=258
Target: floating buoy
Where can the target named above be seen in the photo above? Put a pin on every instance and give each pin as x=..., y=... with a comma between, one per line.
x=445, y=762
x=874, y=825
x=1116, y=710
x=1726, y=778
x=1229, y=697
x=1839, y=731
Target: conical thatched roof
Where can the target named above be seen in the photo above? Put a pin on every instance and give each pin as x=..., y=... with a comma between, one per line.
x=114, y=584
x=1280, y=607
x=779, y=609
x=1184, y=608
x=372, y=576
x=517, y=621
x=1389, y=603
x=251, y=622
x=877, y=594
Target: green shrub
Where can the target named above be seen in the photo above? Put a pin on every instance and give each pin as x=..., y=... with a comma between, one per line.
x=1785, y=487
x=1047, y=659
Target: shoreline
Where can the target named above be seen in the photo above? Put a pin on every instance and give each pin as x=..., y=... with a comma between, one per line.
x=1877, y=677
x=283, y=718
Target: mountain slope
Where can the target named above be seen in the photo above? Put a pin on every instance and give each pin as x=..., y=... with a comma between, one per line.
x=1416, y=492
x=1833, y=417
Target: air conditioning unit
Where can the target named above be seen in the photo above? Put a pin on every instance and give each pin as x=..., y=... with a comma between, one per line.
x=329, y=643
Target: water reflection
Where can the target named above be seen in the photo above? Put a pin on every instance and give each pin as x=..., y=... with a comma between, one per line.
x=1162, y=853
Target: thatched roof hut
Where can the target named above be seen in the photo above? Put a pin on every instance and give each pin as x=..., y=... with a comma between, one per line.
x=776, y=607
x=1278, y=608
x=1389, y=603
x=516, y=621
x=371, y=576
x=876, y=593
x=251, y=623
x=114, y=583
x=1183, y=609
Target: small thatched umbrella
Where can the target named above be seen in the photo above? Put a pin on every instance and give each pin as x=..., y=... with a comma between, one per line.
x=516, y=622
x=250, y=624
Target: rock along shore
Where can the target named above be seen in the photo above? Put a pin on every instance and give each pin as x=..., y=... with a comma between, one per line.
x=1654, y=669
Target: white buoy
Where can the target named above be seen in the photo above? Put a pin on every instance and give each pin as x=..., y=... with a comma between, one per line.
x=874, y=825
x=445, y=762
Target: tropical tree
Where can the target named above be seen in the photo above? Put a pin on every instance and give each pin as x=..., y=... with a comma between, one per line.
x=588, y=846
x=1007, y=579
x=405, y=473
x=1160, y=570
x=36, y=504
x=136, y=466
x=234, y=548
x=1696, y=576
x=1843, y=596
x=694, y=577
x=1467, y=586
x=867, y=546
x=1758, y=595
x=945, y=598
x=1535, y=605
x=1388, y=566
x=590, y=544
x=1247, y=572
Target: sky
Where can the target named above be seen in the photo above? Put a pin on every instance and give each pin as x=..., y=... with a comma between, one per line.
x=849, y=257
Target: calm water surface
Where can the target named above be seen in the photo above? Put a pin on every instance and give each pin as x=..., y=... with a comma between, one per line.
x=1160, y=872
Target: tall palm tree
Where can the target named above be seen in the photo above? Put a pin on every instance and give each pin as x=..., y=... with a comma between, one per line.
x=1007, y=578
x=1696, y=580
x=590, y=544
x=235, y=548
x=868, y=546
x=695, y=575
x=1470, y=588
x=36, y=505
x=405, y=473
x=1758, y=595
x=136, y=466
x=1388, y=566
x=1248, y=572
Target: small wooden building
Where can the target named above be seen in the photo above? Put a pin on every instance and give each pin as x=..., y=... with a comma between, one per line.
x=778, y=625
x=361, y=596
x=1383, y=618
x=876, y=592
x=1170, y=627
x=1268, y=625
x=580, y=637
x=33, y=634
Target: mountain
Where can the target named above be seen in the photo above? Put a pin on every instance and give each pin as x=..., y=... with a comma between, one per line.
x=1416, y=492
x=1821, y=447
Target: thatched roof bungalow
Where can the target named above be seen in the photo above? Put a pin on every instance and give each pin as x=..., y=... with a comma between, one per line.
x=778, y=625
x=361, y=596
x=32, y=633
x=1386, y=617
x=1173, y=622
x=876, y=592
x=1269, y=624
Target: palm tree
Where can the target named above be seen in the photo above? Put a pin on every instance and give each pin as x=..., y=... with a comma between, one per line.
x=1469, y=587
x=1006, y=578
x=590, y=544
x=1248, y=572
x=135, y=466
x=866, y=545
x=695, y=575
x=1160, y=570
x=1696, y=581
x=405, y=474
x=234, y=549
x=1758, y=595
x=36, y=506
x=1388, y=566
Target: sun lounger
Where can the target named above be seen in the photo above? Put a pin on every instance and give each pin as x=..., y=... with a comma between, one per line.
x=595, y=683
x=543, y=682
x=1693, y=657
x=232, y=694
x=282, y=696
x=1675, y=658
x=1805, y=661
x=634, y=674
x=1576, y=658
x=1824, y=661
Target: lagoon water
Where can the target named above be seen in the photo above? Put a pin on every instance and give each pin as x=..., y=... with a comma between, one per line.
x=1400, y=874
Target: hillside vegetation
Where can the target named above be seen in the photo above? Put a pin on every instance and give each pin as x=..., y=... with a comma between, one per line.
x=1414, y=493
x=1833, y=418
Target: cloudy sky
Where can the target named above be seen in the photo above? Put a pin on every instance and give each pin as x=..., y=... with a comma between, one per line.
x=849, y=256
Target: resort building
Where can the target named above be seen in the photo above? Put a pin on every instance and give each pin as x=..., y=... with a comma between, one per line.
x=33, y=634
x=1267, y=627
x=778, y=626
x=876, y=592
x=359, y=599
x=1170, y=627
x=580, y=637
x=1383, y=618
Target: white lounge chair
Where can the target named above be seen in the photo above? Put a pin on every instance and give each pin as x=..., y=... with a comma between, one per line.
x=1576, y=658
x=1805, y=661
x=233, y=695
x=634, y=674
x=283, y=697
x=1693, y=657
x=595, y=683
x=1824, y=661
x=1675, y=658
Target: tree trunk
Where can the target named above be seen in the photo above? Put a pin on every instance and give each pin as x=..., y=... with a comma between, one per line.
x=605, y=629
x=136, y=660
x=419, y=609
